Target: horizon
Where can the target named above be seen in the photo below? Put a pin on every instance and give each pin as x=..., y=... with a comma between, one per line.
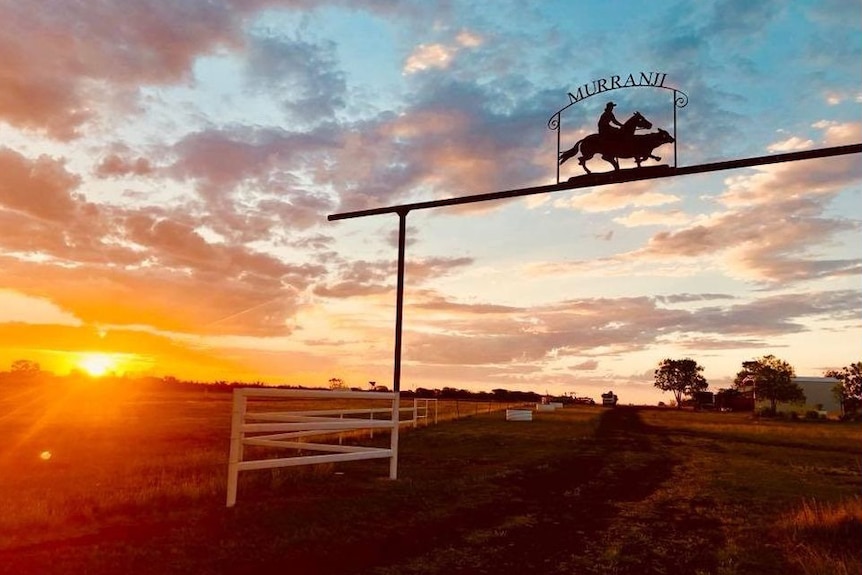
x=167, y=177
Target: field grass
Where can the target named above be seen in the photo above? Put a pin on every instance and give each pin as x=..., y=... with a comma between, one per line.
x=136, y=479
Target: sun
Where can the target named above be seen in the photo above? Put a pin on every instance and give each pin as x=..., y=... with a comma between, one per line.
x=97, y=364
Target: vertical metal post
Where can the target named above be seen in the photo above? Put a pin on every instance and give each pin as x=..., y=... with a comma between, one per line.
x=557, y=158
x=674, y=129
x=399, y=320
x=399, y=298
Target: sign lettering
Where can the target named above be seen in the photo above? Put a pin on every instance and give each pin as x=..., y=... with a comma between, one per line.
x=652, y=79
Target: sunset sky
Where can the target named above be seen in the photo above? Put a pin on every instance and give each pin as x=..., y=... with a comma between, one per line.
x=166, y=169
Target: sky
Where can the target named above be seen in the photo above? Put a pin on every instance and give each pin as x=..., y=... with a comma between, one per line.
x=167, y=168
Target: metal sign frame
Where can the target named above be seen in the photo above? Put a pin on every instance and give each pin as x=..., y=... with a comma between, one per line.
x=617, y=82
x=594, y=180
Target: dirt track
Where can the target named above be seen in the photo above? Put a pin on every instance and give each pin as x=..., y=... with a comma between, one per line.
x=566, y=512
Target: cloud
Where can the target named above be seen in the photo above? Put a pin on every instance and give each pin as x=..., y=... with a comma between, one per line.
x=436, y=303
x=741, y=19
x=182, y=220
x=168, y=299
x=481, y=335
x=144, y=263
x=451, y=141
x=64, y=63
x=617, y=196
x=248, y=179
x=115, y=165
x=691, y=297
x=773, y=226
x=469, y=39
x=839, y=134
x=19, y=308
x=639, y=218
x=365, y=278
x=440, y=56
x=41, y=188
x=360, y=279
x=427, y=56
x=302, y=75
x=792, y=144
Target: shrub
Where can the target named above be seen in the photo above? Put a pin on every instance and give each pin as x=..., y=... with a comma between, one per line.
x=765, y=412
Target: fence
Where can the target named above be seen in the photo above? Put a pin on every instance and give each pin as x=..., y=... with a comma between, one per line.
x=276, y=421
x=290, y=429
x=421, y=410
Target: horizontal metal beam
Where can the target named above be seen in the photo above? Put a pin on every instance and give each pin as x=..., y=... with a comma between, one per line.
x=615, y=177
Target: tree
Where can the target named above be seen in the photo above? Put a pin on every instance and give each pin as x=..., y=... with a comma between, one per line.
x=849, y=391
x=680, y=376
x=336, y=383
x=772, y=379
x=25, y=367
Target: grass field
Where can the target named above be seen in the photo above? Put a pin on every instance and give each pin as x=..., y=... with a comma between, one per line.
x=107, y=479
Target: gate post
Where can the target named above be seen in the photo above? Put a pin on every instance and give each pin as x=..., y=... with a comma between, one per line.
x=236, y=421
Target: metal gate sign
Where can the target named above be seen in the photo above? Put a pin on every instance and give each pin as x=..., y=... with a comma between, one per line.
x=615, y=139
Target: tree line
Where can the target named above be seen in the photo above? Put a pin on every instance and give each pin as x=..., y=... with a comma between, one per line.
x=767, y=377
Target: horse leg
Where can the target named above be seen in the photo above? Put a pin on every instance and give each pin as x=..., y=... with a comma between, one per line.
x=583, y=161
x=656, y=158
x=612, y=161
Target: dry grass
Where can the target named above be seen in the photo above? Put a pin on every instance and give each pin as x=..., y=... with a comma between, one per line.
x=825, y=538
x=82, y=454
x=140, y=473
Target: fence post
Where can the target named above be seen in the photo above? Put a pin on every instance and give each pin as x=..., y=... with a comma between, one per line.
x=236, y=421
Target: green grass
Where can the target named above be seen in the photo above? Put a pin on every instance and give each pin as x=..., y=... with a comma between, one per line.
x=137, y=477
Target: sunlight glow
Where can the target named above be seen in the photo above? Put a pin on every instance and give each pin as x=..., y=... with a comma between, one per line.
x=97, y=364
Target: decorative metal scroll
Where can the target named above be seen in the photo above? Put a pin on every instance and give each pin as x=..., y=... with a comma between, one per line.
x=602, y=85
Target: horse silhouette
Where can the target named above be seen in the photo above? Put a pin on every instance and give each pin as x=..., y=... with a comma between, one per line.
x=625, y=145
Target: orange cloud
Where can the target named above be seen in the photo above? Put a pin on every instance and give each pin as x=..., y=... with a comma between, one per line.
x=440, y=56
x=23, y=176
x=839, y=134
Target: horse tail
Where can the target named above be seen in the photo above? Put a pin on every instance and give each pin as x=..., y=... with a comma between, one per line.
x=570, y=152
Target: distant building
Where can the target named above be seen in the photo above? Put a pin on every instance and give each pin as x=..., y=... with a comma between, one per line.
x=819, y=394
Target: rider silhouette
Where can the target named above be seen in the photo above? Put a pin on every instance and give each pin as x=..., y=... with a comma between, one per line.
x=607, y=121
